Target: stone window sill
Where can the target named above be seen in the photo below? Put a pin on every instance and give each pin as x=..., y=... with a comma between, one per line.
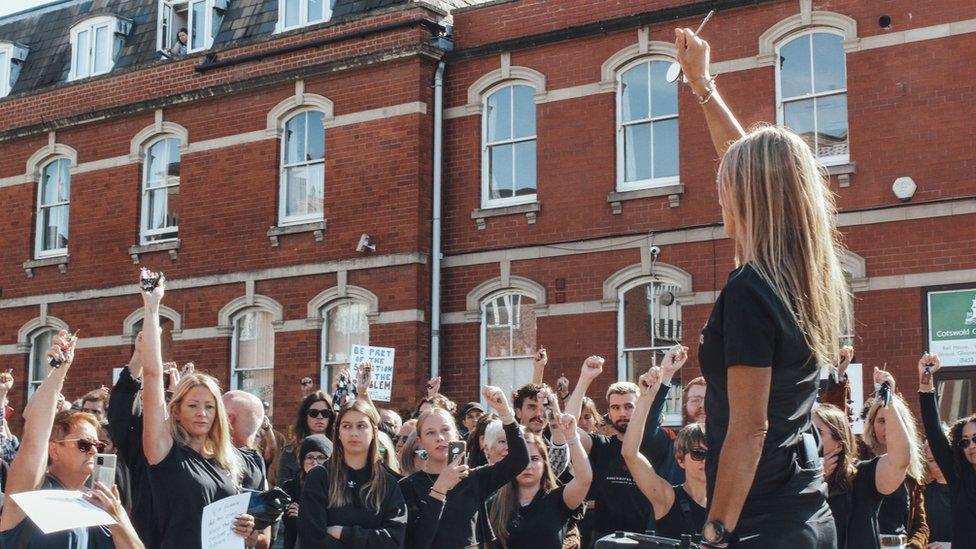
x=530, y=210
x=673, y=192
x=843, y=173
x=171, y=246
x=317, y=228
x=61, y=261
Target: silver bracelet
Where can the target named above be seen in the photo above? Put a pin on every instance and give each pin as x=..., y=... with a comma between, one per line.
x=506, y=419
x=574, y=440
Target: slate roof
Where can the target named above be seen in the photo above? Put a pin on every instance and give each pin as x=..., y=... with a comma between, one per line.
x=46, y=31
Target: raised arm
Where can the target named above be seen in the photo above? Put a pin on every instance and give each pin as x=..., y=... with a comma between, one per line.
x=156, y=438
x=694, y=56
x=592, y=367
x=364, y=378
x=575, y=492
x=558, y=450
x=27, y=470
x=931, y=422
x=493, y=477
x=892, y=466
x=652, y=447
x=657, y=490
x=539, y=365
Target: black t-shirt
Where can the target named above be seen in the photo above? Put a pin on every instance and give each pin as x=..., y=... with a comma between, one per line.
x=750, y=326
x=620, y=505
x=684, y=517
x=856, y=512
x=938, y=512
x=252, y=471
x=182, y=485
x=541, y=524
x=292, y=487
x=362, y=525
x=893, y=516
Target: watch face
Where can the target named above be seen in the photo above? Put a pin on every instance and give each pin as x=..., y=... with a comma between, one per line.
x=713, y=532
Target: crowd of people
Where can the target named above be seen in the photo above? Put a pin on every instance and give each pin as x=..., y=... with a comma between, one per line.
x=543, y=467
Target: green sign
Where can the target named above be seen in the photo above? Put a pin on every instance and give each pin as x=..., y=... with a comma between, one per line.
x=952, y=326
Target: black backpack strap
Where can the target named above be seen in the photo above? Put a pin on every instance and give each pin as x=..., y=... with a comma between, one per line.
x=681, y=498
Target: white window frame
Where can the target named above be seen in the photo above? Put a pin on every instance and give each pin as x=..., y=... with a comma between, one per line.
x=672, y=408
x=780, y=103
x=145, y=233
x=325, y=369
x=210, y=26
x=36, y=358
x=91, y=26
x=483, y=331
x=327, y=7
x=622, y=184
x=39, y=252
x=235, y=342
x=9, y=66
x=486, y=200
x=283, y=218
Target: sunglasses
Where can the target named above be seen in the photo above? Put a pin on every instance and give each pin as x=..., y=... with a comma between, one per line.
x=84, y=444
x=315, y=414
x=965, y=442
x=698, y=454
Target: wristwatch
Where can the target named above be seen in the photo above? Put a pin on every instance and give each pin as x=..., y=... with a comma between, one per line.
x=715, y=534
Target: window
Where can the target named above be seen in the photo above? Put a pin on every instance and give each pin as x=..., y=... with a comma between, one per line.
x=252, y=354
x=95, y=44
x=161, y=191
x=302, y=186
x=811, y=93
x=647, y=127
x=40, y=342
x=11, y=58
x=508, y=150
x=650, y=323
x=299, y=13
x=200, y=19
x=508, y=340
x=345, y=325
x=53, y=200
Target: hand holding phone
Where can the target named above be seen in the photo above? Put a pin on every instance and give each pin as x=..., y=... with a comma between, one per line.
x=455, y=449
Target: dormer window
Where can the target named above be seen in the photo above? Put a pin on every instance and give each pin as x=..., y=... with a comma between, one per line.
x=95, y=44
x=12, y=56
x=293, y=14
x=188, y=26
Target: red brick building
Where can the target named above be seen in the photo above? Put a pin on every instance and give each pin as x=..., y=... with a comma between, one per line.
x=249, y=167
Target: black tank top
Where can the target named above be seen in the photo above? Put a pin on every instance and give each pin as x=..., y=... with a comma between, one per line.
x=684, y=517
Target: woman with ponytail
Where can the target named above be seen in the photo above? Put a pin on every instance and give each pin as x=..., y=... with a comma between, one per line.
x=354, y=501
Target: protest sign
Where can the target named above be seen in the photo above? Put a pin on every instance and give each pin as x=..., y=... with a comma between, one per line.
x=58, y=510
x=217, y=524
x=382, y=359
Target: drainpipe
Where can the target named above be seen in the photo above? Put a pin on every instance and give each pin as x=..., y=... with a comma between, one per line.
x=435, y=293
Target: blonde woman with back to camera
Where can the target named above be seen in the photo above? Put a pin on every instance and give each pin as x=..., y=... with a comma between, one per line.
x=775, y=322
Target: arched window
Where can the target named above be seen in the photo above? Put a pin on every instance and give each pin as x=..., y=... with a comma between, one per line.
x=811, y=92
x=345, y=323
x=508, y=340
x=40, y=342
x=509, y=146
x=160, y=191
x=252, y=353
x=647, y=126
x=302, y=187
x=165, y=338
x=53, y=203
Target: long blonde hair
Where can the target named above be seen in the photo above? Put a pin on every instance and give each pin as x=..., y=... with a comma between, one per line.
x=506, y=501
x=373, y=492
x=916, y=464
x=785, y=227
x=218, y=443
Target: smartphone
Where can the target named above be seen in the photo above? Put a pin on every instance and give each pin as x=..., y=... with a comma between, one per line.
x=148, y=279
x=454, y=449
x=927, y=375
x=104, y=470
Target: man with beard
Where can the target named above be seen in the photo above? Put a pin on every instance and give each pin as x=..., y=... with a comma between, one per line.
x=530, y=411
x=693, y=402
x=619, y=503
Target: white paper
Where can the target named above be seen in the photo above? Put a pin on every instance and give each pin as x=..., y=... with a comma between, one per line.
x=856, y=381
x=217, y=524
x=57, y=510
x=382, y=359
x=116, y=372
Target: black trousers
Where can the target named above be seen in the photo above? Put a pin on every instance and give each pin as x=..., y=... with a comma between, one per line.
x=799, y=527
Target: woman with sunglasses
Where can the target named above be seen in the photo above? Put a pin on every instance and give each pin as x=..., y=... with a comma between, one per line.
x=58, y=453
x=354, y=501
x=192, y=459
x=955, y=454
x=314, y=418
x=315, y=451
x=447, y=499
x=679, y=509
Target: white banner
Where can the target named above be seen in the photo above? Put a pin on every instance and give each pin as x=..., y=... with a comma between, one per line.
x=382, y=359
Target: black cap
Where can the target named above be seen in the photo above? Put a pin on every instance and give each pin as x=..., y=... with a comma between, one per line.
x=472, y=406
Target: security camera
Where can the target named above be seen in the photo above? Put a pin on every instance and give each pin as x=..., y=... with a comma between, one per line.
x=364, y=244
x=655, y=251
